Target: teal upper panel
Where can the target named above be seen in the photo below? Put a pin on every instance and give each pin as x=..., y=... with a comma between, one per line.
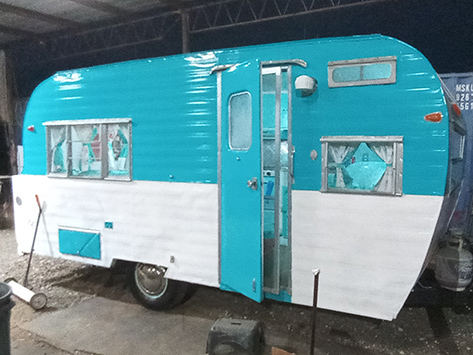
x=171, y=101
x=173, y=106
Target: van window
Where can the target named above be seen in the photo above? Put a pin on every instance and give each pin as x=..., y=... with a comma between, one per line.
x=357, y=164
x=98, y=149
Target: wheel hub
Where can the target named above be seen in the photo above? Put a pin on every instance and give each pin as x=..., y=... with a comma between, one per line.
x=150, y=278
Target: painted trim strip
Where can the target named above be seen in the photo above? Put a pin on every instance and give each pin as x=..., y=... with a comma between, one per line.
x=219, y=170
x=395, y=139
x=87, y=121
x=299, y=62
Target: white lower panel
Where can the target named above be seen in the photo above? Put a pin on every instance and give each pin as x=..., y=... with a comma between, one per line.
x=152, y=221
x=369, y=249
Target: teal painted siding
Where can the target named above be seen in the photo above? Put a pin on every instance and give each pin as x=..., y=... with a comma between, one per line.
x=172, y=103
x=80, y=243
x=173, y=115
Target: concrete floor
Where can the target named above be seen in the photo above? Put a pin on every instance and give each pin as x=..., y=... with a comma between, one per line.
x=107, y=327
x=102, y=326
x=90, y=311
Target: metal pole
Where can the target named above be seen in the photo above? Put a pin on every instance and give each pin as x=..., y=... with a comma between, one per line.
x=25, y=282
x=313, y=317
x=185, y=31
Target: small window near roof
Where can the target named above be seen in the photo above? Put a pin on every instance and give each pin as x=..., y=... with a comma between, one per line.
x=360, y=72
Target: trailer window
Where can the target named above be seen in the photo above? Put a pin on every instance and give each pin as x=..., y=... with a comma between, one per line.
x=240, y=119
x=357, y=164
x=86, y=157
x=359, y=72
x=118, y=149
x=57, y=150
x=98, y=149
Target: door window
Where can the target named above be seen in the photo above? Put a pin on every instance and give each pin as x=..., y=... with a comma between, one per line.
x=240, y=119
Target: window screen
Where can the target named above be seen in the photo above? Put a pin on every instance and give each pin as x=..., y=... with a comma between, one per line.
x=365, y=71
x=240, y=119
x=359, y=164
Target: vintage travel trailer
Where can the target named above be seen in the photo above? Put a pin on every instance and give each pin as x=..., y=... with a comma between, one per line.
x=246, y=169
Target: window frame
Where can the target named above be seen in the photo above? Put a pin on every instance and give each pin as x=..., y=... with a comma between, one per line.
x=104, y=165
x=398, y=150
x=333, y=65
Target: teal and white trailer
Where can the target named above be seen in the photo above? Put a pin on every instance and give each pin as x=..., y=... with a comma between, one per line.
x=247, y=168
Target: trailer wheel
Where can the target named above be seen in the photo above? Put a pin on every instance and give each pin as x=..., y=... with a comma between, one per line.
x=152, y=289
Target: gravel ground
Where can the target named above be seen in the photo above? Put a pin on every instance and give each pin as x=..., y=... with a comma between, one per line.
x=417, y=330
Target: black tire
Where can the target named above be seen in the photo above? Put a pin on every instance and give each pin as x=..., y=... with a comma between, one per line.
x=150, y=288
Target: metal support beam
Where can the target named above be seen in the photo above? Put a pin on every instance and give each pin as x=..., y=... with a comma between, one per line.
x=18, y=33
x=119, y=36
x=211, y=16
x=233, y=13
x=185, y=31
x=7, y=117
x=105, y=7
x=21, y=11
x=5, y=94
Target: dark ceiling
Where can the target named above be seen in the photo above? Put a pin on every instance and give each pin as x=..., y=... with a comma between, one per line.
x=41, y=19
x=44, y=36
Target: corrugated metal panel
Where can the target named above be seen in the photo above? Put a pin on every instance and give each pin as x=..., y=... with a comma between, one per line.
x=374, y=110
x=461, y=87
x=370, y=249
x=151, y=222
x=172, y=102
x=173, y=113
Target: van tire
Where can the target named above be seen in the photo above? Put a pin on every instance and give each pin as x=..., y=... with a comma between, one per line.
x=150, y=288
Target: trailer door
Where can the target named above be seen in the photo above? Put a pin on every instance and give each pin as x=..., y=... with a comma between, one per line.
x=240, y=180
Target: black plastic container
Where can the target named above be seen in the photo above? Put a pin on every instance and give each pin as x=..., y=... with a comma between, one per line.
x=6, y=304
x=236, y=336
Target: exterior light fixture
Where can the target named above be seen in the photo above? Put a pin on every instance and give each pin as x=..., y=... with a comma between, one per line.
x=306, y=85
x=434, y=117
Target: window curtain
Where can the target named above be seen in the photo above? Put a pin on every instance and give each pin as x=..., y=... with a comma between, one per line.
x=82, y=152
x=118, y=145
x=386, y=152
x=57, y=138
x=338, y=154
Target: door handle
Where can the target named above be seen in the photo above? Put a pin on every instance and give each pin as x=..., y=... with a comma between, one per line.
x=253, y=183
x=291, y=163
